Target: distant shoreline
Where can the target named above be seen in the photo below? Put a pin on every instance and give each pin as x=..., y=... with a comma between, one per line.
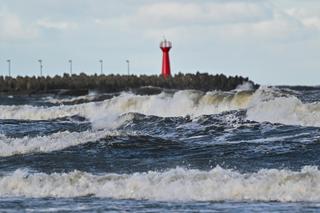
x=81, y=84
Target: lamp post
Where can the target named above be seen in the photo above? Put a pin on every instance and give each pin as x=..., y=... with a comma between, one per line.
x=101, y=66
x=41, y=66
x=9, y=67
x=128, y=66
x=70, y=64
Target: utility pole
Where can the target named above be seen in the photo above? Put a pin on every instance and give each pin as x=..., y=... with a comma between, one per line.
x=9, y=67
x=101, y=66
x=70, y=63
x=41, y=66
x=128, y=66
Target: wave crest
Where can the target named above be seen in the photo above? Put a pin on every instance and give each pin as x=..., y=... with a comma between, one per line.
x=268, y=104
x=57, y=141
x=181, y=103
x=177, y=184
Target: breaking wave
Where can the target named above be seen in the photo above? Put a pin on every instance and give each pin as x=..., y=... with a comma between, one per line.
x=181, y=103
x=57, y=141
x=177, y=184
x=265, y=104
x=286, y=110
x=82, y=98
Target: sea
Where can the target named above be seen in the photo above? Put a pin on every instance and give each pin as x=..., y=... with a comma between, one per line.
x=161, y=150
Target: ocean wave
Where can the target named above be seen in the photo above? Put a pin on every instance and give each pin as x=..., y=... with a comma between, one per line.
x=57, y=141
x=181, y=103
x=177, y=184
x=82, y=98
x=286, y=110
x=268, y=104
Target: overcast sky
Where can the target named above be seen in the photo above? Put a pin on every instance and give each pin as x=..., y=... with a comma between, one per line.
x=270, y=41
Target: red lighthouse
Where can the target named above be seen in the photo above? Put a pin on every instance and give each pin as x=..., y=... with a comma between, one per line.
x=165, y=47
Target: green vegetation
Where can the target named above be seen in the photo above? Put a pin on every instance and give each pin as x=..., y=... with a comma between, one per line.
x=78, y=84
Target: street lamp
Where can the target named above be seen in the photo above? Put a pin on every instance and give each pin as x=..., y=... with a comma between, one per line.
x=70, y=62
x=9, y=67
x=101, y=66
x=41, y=66
x=128, y=66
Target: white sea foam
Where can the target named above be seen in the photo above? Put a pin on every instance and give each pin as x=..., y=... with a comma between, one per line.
x=266, y=104
x=69, y=100
x=174, y=185
x=270, y=105
x=181, y=103
x=57, y=141
x=90, y=97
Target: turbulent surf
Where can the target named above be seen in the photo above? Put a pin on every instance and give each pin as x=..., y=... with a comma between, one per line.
x=170, y=150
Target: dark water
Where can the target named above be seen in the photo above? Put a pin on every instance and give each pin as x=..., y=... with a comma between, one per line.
x=119, y=153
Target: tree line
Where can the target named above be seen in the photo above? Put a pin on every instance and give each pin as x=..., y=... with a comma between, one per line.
x=117, y=83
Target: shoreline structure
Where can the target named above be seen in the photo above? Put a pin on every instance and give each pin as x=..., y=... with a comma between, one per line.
x=81, y=84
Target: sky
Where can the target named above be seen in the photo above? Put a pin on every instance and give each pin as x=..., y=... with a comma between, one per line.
x=273, y=42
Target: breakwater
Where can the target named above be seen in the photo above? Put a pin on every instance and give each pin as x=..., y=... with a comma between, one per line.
x=82, y=83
